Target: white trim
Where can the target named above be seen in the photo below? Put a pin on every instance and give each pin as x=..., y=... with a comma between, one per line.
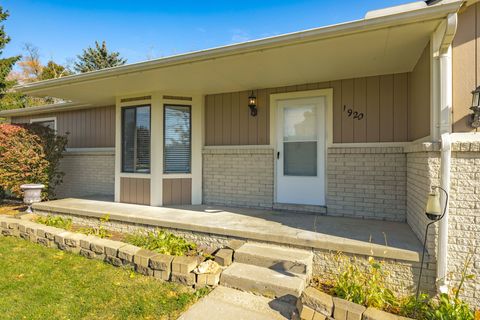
x=177, y=176
x=368, y=145
x=92, y=150
x=243, y=146
x=54, y=119
x=275, y=98
x=135, y=103
x=135, y=175
x=64, y=106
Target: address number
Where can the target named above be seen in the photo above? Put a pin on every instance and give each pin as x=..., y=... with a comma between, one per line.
x=352, y=113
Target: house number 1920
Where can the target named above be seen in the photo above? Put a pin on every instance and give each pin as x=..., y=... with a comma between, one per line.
x=351, y=113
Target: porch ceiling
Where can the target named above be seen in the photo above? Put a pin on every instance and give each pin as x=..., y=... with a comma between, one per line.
x=360, y=48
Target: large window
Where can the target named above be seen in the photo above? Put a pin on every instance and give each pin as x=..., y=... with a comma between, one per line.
x=136, y=139
x=46, y=122
x=177, y=139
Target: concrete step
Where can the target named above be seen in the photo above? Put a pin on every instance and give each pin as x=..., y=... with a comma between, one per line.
x=263, y=281
x=287, y=260
x=230, y=304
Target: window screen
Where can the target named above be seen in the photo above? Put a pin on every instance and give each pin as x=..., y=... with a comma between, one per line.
x=177, y=139
x=136, y=139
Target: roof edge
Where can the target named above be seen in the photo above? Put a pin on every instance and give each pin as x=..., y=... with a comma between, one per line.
x=64, y=106
x=356, y=26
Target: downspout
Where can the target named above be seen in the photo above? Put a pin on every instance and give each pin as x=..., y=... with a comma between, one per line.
x=445, y=127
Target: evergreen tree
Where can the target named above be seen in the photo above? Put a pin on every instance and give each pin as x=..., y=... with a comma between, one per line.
x=53, y=70
x=8, y=99
x=98, y=58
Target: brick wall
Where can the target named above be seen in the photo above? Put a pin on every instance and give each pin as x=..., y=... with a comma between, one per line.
x=87, y=174
x=238, y=176
x=423, y=167
x=367, y=183
x=464, y=219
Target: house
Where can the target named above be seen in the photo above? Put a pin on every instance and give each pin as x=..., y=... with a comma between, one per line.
x=358, y=120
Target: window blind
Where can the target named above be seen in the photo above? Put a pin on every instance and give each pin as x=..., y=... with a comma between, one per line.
x=177, y=139
x=136, y=139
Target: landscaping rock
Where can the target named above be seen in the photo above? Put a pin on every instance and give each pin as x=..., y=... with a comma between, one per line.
x=87, y=253
x=111, y=247
x=346, y=310
x=305, y=312
x=114, y=261
x=146, y=271
x=210, y=279
x=127, y=252
x=46, y=242
x=235, y=244
x=318, y=301
x=73, y=239
x=49, y=232
x=185, y=279
x=224, y=257
x=375, y=314
x=161, y=262
x=184, y=265
x=208, y=266
x=142, y=257
x=60, y=238
x=85, y=243
x=162, y=274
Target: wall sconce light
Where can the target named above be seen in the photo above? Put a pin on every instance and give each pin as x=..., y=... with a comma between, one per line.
x=433, y=210
x=252, y=104
x=475, y=117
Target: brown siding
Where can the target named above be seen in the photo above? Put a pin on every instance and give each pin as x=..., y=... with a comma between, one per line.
x=466, y=66
x=419, y=96
x=135, y=190
x=87, y=128
x=177, y=191
x=384, y=101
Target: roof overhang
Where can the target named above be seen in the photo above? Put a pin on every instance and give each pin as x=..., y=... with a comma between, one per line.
x=382, y=43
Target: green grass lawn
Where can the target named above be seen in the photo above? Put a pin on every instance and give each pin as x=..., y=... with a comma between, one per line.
x=42, y=283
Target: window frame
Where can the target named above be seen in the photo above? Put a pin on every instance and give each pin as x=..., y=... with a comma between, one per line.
x=122, y=169
x=165, y=105
x=54, y=119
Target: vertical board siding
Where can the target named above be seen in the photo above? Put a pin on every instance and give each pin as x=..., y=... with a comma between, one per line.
x=135, y=191
x=466, y=66
x=419, y=98
x=177, y=191
x=86, y=128
x=383, y=100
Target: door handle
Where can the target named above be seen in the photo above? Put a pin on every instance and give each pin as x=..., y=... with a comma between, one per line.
x=278, y=155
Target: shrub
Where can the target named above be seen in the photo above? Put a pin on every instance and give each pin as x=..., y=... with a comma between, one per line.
x=363, y=285
x=55, y=221
x=162, y=242
x=30, y=154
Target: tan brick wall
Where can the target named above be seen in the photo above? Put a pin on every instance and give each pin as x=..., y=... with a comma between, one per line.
x=464, y=220
x=367, y=183
x=238, y=176
x=423, y=167
x=87, y=174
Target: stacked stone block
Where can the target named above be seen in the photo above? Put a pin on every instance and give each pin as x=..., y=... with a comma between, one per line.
x=164, y=267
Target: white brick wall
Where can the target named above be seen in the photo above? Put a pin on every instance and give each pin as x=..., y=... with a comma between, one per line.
x=423, y=166
x=238, y=176
x=367, y=183
x=87, y=174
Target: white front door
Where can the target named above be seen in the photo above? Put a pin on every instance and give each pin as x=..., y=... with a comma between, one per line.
x=300, y=176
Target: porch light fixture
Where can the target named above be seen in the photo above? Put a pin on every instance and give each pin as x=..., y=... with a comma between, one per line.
x=433, y=210
x=475, y=117
x=252, y=104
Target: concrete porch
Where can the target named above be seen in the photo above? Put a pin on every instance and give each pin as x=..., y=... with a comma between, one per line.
x=394, y=240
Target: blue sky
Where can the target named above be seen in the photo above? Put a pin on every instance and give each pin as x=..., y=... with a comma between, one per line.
x=143, y=30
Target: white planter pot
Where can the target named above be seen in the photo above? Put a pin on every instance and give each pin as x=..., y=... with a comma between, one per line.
x=32, y=193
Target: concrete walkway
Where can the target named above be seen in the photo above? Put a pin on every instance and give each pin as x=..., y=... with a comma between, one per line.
x=367, y=237
x=230, y=304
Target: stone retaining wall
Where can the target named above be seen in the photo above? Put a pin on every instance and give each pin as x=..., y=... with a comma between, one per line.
x=403, y=275
x=164, y=267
